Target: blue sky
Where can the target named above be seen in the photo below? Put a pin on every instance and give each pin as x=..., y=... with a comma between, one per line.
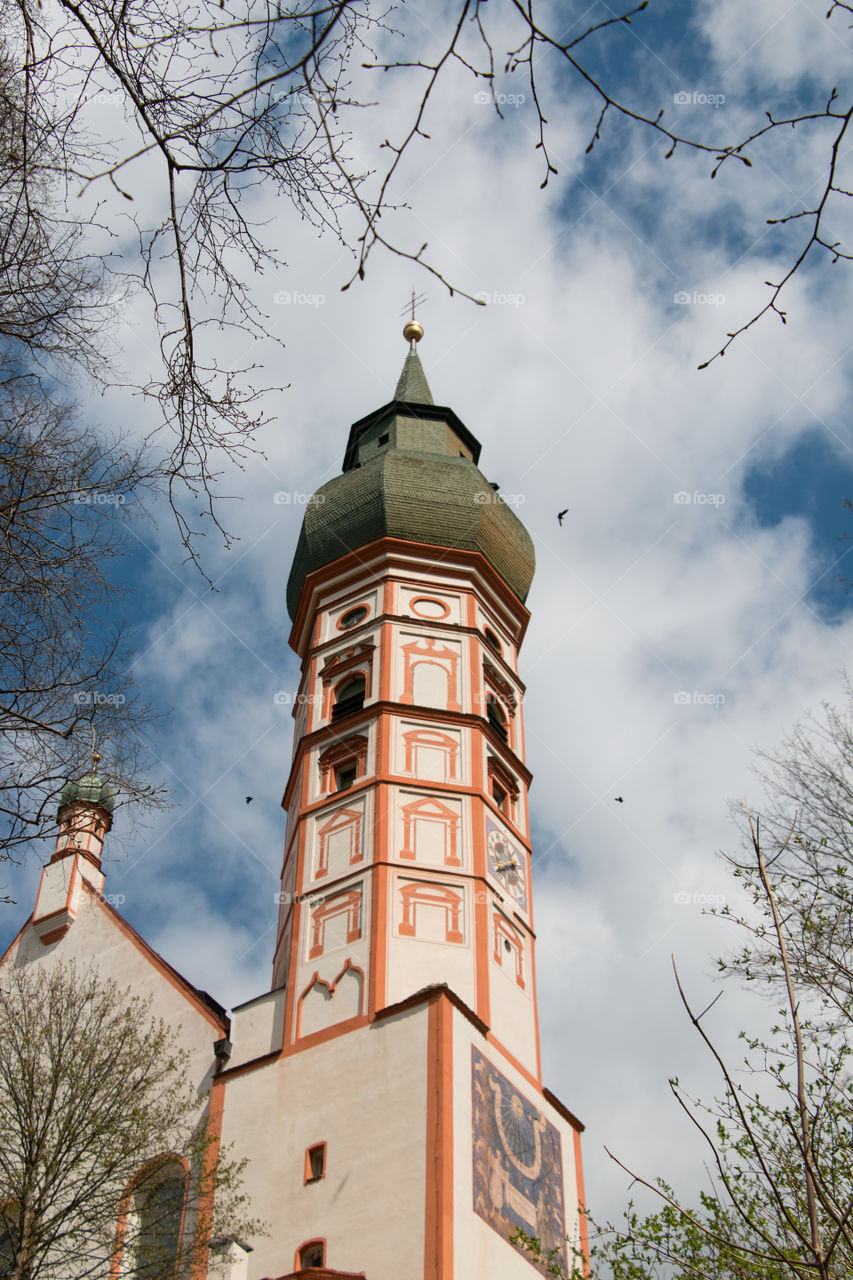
x=580, y=380
x=810, y=481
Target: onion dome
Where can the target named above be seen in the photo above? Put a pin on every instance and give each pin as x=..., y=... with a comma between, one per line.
x=410, y=472
x=90, y=789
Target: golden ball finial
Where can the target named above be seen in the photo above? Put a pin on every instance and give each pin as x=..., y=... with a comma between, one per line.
x=413, y=331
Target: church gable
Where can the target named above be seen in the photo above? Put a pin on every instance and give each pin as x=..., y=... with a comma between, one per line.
x=99, y=938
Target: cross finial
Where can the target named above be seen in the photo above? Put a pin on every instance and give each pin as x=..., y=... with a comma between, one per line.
x=412, y=330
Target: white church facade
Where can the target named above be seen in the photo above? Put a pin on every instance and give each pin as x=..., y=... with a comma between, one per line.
x=387, y=1089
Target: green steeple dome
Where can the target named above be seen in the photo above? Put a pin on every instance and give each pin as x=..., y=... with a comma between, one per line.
x=90, y=789
x=410, y=472
x=413, y=387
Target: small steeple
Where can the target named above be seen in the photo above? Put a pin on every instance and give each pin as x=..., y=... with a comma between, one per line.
x=412, y=387
x=89, y=790
x=85, y=815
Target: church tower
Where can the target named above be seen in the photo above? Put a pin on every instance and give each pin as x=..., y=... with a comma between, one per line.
x=405, y=957
x=386, y=1093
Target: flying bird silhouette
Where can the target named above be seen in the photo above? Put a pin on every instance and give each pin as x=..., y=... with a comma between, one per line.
x=249, y=799
x=618, y=799
x=560, y=515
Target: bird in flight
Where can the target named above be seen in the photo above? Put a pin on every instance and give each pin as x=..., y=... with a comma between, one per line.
x=618, y=799
x=560, y=515
x=249, y=799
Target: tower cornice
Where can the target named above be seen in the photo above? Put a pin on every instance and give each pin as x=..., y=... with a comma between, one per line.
x=404, y=619
x=390, y=556
x=340, y=731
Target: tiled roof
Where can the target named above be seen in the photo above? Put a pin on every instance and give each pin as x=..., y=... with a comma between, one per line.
x=429, y=498
x=410, y=472
x=412, y=386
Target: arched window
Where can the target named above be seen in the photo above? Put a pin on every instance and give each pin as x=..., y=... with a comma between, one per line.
x=491, y=640
x=342, y=763
x=312, y=1254
x=8, y=1238
x=503, y=786
x=153, y=1220
x=496, y=717
x=349, y=697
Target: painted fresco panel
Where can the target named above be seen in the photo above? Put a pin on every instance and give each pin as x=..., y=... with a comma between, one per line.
x=518, y=1162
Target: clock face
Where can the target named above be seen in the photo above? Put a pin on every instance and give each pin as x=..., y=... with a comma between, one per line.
x=506, y=863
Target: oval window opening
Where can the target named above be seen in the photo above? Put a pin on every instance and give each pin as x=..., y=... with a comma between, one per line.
x=428, y=607
x=353, y=617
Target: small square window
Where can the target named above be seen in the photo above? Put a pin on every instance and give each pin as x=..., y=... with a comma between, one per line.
x=315, y=1163
x=383, y=439
x=499, y=796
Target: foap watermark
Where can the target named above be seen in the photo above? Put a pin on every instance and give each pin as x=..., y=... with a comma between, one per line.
x=684, y=898
x=696, y=499
x=510, y=499
x=288, y=497
x=113, y=899
x=293, y=298
x=94, y=698
x=498, y=299
x=697, y=98
x=95, y=498
x=508, y=702
x=285, y=899
x=482, y=99
x=286, y=699
x=109, y=98
x=685, y=698
x=695, y=298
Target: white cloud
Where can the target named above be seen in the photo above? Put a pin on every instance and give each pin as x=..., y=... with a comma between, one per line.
x=775, y=45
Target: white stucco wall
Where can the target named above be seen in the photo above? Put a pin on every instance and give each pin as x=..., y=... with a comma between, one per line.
x=364, y=1095
x=96, y=940
x=257, y=1027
